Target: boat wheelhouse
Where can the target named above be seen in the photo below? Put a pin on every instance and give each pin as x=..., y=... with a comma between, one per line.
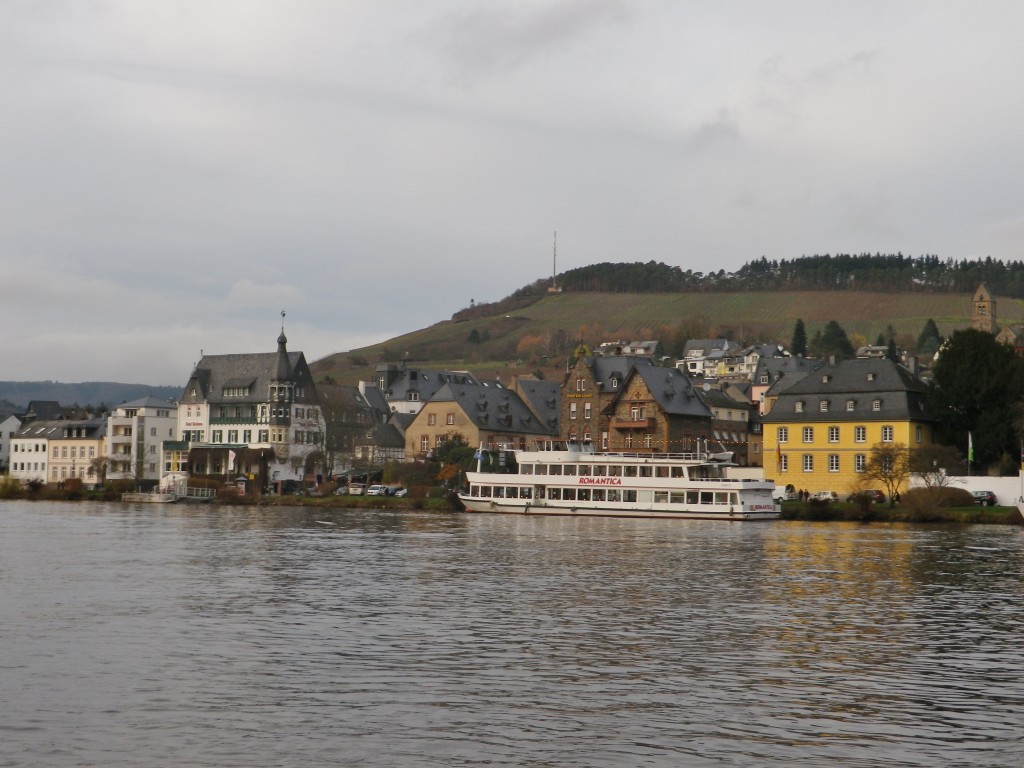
x=571, y=479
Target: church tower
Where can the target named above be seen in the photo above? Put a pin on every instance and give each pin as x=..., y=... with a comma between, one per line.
x=983, y=310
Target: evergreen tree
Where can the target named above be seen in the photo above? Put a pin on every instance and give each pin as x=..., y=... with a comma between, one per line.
x=929, y=339
x=880, y=341
x=798, y=346
x=832, y=341
x=892, y=353
x=977, y=385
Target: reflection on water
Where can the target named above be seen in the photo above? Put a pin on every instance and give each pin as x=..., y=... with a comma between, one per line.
x=142, y=636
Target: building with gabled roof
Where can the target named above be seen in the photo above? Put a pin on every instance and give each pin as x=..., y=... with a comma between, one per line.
x=485, y=414
x=658, y=410
x=53, y=452
x=253, y=416
x=775, y=374
x=406, y=388
x=820, y=431
x=588, y=387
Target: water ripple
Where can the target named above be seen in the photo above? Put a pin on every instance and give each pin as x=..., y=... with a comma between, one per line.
x=253, y=637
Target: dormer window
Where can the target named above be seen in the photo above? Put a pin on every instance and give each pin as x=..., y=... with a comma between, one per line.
x=876, y=405
x=414, y=397
x=615, y=383
x=799, y=406
x=823, y=405
x=826, y=379
x=850, y=405
x=871, y=376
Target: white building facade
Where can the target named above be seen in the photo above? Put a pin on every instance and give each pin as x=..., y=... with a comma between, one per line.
x=136, y=432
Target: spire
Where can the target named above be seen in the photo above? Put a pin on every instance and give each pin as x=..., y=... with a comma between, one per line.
x=284, y=368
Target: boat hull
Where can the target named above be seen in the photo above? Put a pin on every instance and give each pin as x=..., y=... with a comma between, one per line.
x=507, y=506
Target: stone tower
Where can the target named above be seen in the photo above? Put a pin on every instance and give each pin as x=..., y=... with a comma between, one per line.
x=983, y=310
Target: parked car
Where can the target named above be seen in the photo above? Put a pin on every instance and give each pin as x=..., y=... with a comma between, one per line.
x=356, y=489
x=377, y=490
x=825, y=496
x=873, y=495
x=396, y=490
x=984, y=498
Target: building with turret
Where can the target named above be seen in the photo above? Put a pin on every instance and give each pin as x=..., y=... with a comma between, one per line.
x=252, y=419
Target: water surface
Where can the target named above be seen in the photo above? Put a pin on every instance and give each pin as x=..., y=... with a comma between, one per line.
x=155, y=635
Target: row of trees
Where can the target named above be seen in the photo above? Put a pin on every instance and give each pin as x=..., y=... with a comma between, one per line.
x=890, y=273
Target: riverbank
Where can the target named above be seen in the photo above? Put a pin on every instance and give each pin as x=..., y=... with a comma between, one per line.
x=791, y=510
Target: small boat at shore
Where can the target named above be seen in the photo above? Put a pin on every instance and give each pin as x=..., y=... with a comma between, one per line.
x=571, y=479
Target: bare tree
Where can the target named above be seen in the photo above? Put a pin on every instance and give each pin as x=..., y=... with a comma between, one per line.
x=935, y=464
x=889, y=464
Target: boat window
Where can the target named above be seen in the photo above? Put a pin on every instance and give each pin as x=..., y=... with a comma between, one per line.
x=485, y=491
x=661, y=497
x=707, y=497
x=526, y=469
x=554, y=493
x=583, y=494
x=499, y=492
x=629, y=495
x=568, y=494
x=721, y=497
x=615, y=470
x=630, y=470
x=646, y=471
x=526, y=493
x=585, y=469
x=600, y=470
x=661, y=471
x=678, y=472
x=693, y=497
x=570, y=469
x=678, y=498
x=614, y=496
x=555, y=469
x=542, y=469
x=598, y=494
x=511, y=492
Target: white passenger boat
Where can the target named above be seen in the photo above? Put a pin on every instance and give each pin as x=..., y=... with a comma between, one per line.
x=571, y=479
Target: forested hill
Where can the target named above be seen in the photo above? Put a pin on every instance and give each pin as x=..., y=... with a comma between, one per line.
x=864, y=272
x=892, y=273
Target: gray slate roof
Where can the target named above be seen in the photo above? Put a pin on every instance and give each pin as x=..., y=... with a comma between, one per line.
x=673, y=391
x=494, y=408
x=901, y=395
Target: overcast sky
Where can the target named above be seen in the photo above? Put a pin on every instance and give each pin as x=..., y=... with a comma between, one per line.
x=173, y=175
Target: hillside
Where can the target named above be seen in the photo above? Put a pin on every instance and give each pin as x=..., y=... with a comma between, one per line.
x=18, y=394
x=539, y=335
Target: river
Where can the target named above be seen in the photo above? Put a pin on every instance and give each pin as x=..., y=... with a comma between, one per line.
x=190, y=635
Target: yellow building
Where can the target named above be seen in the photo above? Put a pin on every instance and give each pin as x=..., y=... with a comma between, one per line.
x=819, y=433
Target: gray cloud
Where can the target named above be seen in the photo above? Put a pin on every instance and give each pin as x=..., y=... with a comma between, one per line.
x=173, y=175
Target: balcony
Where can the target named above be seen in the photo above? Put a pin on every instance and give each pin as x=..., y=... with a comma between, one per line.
x=121, y=439
x=623, y=423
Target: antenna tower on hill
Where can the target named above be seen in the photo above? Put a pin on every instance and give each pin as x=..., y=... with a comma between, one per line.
x=553, y=288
